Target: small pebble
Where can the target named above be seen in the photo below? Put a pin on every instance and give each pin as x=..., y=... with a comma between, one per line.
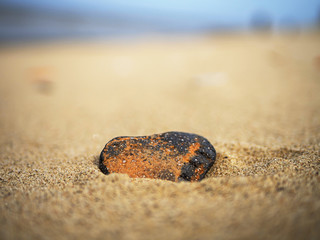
x=173, y=156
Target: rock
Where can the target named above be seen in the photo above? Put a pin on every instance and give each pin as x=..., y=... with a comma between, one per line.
x=174, y=156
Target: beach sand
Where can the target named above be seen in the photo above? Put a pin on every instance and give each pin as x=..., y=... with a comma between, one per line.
x=254, y=97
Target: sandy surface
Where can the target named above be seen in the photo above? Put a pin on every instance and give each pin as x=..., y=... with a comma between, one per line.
x=255, y=98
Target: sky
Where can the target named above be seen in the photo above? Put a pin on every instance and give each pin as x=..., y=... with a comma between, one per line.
x=105, y=16
x=302, y=11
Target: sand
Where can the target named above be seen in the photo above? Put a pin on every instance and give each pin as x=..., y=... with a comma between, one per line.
x=255, y=98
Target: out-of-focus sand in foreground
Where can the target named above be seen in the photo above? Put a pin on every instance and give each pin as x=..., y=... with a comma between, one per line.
x=255, y=98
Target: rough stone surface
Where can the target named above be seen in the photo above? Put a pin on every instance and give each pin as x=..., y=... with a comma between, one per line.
x=174, y=156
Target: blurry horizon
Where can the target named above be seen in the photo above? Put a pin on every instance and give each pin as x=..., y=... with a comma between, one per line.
x=34, y=19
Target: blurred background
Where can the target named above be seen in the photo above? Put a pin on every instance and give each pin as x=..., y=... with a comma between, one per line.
x=22, y=20
x=209, y=60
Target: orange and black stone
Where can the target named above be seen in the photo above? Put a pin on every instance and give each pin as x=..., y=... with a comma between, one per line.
x=174, y=156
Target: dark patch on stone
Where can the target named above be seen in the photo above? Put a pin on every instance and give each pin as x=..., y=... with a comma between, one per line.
x=207, y=149
x=115, y=148
x=187, y=171
x=198, y=160
x=181, y=141
x=102, y=167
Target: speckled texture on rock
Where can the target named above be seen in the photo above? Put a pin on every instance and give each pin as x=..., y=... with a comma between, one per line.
x=174, y=156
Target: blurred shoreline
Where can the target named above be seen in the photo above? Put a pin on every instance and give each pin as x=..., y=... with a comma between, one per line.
x=26, y=25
